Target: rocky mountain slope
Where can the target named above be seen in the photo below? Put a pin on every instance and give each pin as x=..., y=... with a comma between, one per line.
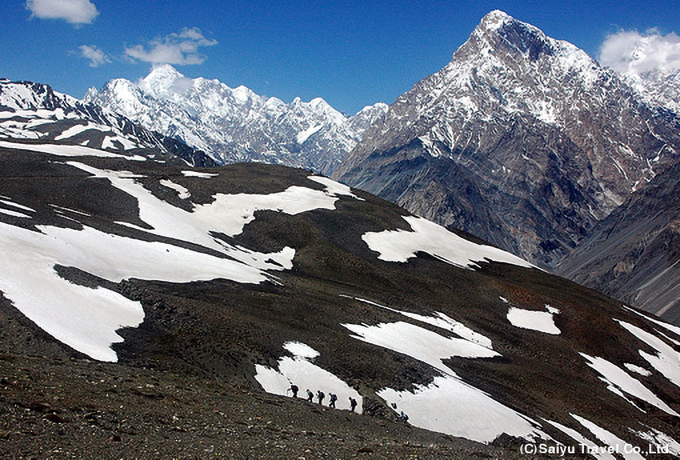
x=33, y=111
x=634, y=253
x=521, y=139
x=235, y=124
x=154, y=308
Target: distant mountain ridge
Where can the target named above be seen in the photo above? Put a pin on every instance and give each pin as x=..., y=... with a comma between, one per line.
x=34, y=112
x=235, y=124
x=521, y=139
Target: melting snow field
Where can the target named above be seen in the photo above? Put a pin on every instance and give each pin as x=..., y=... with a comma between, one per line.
x=426, y=236
x=451, y=406
x=87, y=319
x=301, y=371
x=448, y=405
x=666, y=360
x=620, y=382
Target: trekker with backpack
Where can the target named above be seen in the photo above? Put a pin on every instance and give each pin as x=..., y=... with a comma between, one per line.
x=352, y=403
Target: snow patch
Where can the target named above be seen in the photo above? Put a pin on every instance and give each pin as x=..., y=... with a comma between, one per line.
x=637, y=369
x=617, y=444
x=419, y=343
x=426, y=236
x=584, y=443
x=72, y=131
x=661, y=441
x=202, y=175
x=451, y=406
x=183, y=192
x=301, y=350
x=541, y=321
x=16, y=205
x=441, y=321
x=11, y=213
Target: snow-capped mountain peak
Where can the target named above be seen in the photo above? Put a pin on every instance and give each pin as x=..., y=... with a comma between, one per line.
x=514, y=106
x=164, y=80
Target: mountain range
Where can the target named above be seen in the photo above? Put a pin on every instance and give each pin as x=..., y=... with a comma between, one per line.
x=522, y=140
x=235, y=124
x=35, y=112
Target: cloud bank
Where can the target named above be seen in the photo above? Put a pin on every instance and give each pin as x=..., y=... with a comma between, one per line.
x=72, y=11
x=96, y=56
x=633, y=53
x=177, y=49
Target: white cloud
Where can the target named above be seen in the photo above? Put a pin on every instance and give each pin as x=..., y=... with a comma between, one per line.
x=633, y=53
x=72, y=11
x=178, y=49
x=96, y=56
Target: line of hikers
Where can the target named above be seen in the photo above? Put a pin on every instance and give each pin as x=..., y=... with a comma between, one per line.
x=321, y=395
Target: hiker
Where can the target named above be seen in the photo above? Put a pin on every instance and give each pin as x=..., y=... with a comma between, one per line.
x=333, y=399
x=352, y=403
x=294, y=388
x=320, y=395
x=310, y=395
x=403, y=417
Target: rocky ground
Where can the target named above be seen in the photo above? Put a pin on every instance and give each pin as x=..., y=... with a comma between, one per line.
x=76, y=408
x=56, y=404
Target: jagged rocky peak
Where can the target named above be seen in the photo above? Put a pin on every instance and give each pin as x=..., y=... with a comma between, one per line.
x=541, y=140
x=513, y=33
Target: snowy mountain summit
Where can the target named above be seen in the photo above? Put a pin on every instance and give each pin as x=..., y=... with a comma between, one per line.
x=521, y=139
x=235, y=124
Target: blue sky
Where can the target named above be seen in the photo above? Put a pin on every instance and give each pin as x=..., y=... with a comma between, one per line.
x=351, y=53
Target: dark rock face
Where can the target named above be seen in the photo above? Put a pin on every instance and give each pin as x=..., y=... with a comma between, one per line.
x=634, y=253
x=522, y=140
